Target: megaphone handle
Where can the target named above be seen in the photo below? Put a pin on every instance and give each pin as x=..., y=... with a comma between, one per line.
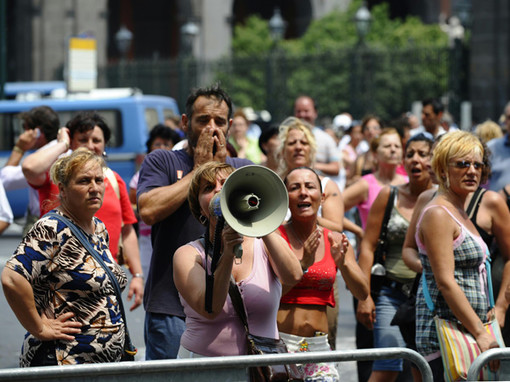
x=238, y=253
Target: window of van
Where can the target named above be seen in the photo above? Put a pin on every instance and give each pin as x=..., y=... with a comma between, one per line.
x=10, y=128
x=151, y=118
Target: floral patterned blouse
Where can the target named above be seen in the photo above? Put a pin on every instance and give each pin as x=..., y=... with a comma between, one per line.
x=66, y=278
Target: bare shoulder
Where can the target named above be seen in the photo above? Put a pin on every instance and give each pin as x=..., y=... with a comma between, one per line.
x=493, y=199
x=187, y=254
x=427, y=195
x=360, y=185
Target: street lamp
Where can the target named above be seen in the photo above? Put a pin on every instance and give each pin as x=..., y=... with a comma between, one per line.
x=123, y=39
x=277, y=25
x=362, y=20
x=189, y=31
x=462, y=9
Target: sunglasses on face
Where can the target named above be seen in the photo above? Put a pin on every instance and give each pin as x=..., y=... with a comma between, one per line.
x=464, y=164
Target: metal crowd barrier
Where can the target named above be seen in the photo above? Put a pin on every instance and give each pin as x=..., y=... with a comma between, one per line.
x=231, y=368
x=485, y=358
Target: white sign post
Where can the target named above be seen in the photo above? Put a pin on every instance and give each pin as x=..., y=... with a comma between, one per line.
x=82, y=64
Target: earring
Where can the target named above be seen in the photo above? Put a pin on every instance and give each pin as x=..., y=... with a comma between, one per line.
x=105, y=155
x=202, y=219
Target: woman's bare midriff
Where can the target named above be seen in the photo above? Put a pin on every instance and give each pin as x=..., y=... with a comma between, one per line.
x=302, y=320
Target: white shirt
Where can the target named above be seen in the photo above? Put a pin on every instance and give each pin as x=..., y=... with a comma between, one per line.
x=13, y=179
x=5, y=207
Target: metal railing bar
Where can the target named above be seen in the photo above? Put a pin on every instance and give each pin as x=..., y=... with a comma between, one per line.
x=213, y=363
x=483, y=359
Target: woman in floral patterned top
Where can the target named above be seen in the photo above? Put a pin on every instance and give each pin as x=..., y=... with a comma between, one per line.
x=60, y=294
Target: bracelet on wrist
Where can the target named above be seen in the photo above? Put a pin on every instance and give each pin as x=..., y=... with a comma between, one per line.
x=18, y=150
x=140, y=275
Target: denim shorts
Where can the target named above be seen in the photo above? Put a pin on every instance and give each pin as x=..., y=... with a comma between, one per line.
x=162, y=335
x=386, y=335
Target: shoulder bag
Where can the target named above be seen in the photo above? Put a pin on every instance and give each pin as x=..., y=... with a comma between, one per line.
x=378, y=272
x=263, y=345
x=129, y=349
x=458, y=347
x=405, y=316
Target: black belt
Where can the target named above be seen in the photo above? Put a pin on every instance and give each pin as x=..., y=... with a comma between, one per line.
x=405, y=288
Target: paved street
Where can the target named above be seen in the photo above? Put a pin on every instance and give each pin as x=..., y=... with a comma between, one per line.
x=12, y=331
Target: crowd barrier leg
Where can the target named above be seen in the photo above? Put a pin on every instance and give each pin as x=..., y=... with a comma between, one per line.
x=485, y=358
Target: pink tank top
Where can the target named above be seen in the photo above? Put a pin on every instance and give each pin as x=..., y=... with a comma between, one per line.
x=225, y=335
x=373, y=190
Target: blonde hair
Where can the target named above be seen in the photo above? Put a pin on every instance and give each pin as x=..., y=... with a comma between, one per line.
x=293, y=123
x=66, y=167
x=488, y=130
x=455, y=144
x=208, y=173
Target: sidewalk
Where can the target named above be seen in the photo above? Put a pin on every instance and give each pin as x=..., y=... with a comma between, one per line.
x=346, y=338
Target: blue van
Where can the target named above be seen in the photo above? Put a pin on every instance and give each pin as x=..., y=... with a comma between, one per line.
x=129, y=114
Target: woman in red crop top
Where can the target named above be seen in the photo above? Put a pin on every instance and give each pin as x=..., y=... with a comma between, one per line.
x=302, y=318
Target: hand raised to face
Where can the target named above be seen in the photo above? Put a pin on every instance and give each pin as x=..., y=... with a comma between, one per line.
x=211, y=146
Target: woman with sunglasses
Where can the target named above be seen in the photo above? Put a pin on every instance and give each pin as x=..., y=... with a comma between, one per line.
x=451, y=250
x=490, y=215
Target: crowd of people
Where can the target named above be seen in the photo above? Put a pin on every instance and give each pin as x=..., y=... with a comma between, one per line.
x=412, y=183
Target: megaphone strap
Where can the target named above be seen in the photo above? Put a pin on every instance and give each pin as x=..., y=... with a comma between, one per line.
x=215, y=257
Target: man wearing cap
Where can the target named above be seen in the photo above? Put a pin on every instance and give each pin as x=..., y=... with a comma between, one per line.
x=40, y=126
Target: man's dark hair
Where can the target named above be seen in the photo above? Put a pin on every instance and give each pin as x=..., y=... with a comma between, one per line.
x=437, y=105
x=163, y=132
x=87, y=120
x=266, y=135
x=43, y=117
x=215, y=91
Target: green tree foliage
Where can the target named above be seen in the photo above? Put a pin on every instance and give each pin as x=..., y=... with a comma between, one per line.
x=252, y=38
x=401, y=61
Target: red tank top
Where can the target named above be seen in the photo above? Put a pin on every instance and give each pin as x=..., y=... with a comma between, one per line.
x=316, y=285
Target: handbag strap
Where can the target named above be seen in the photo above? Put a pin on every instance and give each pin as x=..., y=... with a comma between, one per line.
x=430, y=303
x=80, y=235
x=426, y=293
x=384, y=227
x=474, y=204
x=238, y=303
x=233, y=290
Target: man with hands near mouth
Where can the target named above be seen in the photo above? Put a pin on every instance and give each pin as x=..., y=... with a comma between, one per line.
x=162, y=191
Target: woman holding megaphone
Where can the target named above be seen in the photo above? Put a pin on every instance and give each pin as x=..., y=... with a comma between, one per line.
x=266, y=264
x=302, y=317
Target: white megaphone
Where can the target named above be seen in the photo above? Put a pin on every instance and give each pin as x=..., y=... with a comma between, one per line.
x=253, y=201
